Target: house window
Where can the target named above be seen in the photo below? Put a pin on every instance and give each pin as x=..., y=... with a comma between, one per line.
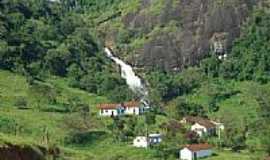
x=106, y=111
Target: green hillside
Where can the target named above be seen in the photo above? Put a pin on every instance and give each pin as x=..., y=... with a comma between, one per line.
x=27, y=123
x=54, y=73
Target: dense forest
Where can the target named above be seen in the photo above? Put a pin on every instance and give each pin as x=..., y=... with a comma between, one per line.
x=54, y=72
x=39, y=38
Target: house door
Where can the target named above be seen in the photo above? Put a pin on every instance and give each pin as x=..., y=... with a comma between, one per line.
x=195, y=156
x=112, y=113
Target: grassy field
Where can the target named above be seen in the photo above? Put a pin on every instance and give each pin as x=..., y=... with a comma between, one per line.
x=27, y=125
x=227, y=155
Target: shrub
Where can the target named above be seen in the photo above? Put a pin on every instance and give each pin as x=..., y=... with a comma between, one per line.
x=7, y=125
x=20, y=102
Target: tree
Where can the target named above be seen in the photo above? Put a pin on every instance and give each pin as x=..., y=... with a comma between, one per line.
x=75, y=74
x=42, y=94
x=212, y=105
x=56, y=60
x=183, y=108
x=235, y=132
x=249, y=58
x=262, y=97
x=211, y=66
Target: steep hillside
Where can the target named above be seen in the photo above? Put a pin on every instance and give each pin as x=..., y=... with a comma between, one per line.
x=173, y=34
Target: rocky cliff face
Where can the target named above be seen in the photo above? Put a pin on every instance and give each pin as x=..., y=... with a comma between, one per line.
x=178, y=33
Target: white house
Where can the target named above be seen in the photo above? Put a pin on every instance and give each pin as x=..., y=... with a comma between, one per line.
x=201, y=126
x=195, y=151
x=132, y=108
x=140, y=142
x=109, y=110
x=143, y=142
x=204, y=128
x=127, y=108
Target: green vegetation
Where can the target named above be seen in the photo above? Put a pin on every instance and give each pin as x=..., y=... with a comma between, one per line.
x=249, y=58
x=53, y=73
x=43, y=39
x=64, y=127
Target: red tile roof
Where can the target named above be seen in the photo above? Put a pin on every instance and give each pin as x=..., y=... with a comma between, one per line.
x=108, y=106
x=198, y=147
x=131, y=104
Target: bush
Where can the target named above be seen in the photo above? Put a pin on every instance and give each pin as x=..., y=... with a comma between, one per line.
x=7, y=125
x=20, y=102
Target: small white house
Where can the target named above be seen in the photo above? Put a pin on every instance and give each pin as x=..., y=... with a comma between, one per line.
x=143, y=142
x=140, y=142
x=195, y=151
x=132, y=108
x=127, y=108
x=109, y=110
x=204, y=129
x=203, y=126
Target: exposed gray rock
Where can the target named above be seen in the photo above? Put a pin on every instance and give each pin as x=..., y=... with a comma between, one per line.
x=202, y=25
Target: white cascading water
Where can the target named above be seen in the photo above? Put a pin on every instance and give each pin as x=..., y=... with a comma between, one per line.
x=133, y=81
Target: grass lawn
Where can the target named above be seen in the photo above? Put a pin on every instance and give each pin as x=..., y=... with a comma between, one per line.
x=228, y=155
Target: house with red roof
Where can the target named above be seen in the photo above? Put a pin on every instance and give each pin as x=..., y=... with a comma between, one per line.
x=109, y=109
x=195, y=151
x=127, y=108
x=202, y=126
x=132, y=108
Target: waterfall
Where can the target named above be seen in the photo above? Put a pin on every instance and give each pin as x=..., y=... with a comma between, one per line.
x=133, y=81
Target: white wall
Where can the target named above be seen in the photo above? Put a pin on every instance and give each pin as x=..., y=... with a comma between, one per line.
x=185, y=154
x=108, y=112
x=132, y=110
x=127, y=111
x=140, y=142
x=199, y=129
x=204, y=153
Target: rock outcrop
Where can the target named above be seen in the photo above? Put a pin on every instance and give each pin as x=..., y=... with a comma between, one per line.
x=179, y=33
